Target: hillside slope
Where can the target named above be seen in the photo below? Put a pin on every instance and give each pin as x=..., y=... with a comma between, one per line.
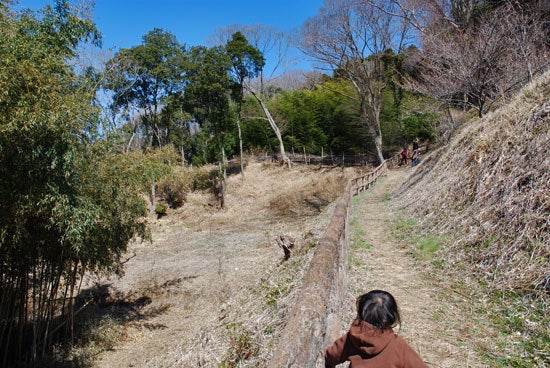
x=488, y=194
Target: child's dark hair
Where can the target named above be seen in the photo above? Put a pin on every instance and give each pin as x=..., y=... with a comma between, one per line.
x=378, y=308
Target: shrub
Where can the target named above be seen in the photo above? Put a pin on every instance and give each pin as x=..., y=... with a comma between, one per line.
x=160, y=209
x=201, y=178
x=173, y=191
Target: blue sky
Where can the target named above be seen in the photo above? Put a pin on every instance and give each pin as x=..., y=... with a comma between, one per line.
x=124, y=22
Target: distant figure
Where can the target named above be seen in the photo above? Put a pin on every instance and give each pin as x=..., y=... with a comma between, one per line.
x=370, y=341
x=415, y=145
x=415, y=157
x=403, y=155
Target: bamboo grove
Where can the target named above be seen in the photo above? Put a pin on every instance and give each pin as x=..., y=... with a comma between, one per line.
x=66, y=208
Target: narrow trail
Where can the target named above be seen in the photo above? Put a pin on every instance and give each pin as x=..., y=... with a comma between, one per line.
x=431, y=313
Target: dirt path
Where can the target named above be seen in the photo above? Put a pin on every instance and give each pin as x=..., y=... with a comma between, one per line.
x=431, y=316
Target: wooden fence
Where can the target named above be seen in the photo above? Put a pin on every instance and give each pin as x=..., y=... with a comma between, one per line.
x=324, y=160
x=313, y=321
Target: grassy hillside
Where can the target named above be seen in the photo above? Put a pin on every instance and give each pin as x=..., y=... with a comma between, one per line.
x=481, y=207
x=489, y=190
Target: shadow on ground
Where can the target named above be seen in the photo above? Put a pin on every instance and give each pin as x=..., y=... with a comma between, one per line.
x=102, y=318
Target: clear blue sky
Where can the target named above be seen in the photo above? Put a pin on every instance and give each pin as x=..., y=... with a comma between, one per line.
x=123, y=22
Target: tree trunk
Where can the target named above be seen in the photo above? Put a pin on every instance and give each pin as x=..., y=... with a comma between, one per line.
x=378, y=144
x=275, y=128
x=153, y=197
x=130, y=142
x=372, y=121
x=240, y=146
x=223, y=176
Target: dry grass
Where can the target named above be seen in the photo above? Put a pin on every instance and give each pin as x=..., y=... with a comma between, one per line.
x=104, y=324
x=486, y=196
x=235, y=287
x=269, y=190
x=254, y=324
x=490, y=189
x=309, y=193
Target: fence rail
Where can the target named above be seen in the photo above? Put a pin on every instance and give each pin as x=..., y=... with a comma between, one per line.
x=324, y=160
x=313, y=321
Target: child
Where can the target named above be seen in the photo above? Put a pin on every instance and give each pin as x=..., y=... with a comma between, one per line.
x=370, y=341
x=403, y=156
x=415, y=158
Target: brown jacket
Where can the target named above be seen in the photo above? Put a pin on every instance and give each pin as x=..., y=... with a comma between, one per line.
x=368, y=347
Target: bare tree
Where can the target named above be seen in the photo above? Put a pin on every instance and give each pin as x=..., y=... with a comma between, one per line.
x=350, y=36
x=297, y=79
x=475, y=64
x=529, y=32
x=272, y=123
x=269, y=40
x=423, y=14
